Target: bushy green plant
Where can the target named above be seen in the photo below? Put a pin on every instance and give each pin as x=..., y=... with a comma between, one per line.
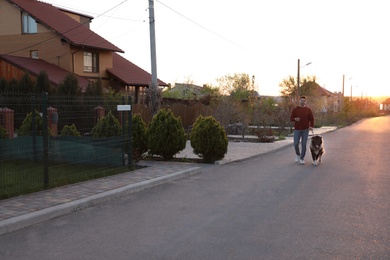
x=208, y=139
x=139, y=137
x=3, y=132
x=26, y=127
x=107, y=126
x=70, y=86
x=70, y=131
x=166, y=135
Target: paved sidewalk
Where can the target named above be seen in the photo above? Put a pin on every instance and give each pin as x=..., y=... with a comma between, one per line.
x=27, y=210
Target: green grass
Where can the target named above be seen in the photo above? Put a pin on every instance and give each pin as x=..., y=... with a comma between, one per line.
x=18, y=177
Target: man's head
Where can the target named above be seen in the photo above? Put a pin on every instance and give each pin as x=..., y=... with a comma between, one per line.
x=302, y=101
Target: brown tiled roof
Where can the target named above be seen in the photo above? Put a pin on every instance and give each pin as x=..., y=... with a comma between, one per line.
x=64, y=26
x=76, y=13
x=34, y=66
x=129, y=73
x=325, y=92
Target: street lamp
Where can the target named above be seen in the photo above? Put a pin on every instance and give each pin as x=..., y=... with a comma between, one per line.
x=351, y=92
x=351, y=88
x=299, y=72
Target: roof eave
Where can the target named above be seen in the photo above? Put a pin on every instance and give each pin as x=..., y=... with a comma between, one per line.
x=124, y=82
x=89, y=46
x=162, y=84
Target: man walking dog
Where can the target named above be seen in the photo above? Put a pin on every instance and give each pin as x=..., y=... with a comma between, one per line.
x=303, y=119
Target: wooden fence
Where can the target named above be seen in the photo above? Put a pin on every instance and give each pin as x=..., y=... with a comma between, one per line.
x=187, y=113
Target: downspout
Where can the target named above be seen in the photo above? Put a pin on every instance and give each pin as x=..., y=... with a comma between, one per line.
x=73, y=53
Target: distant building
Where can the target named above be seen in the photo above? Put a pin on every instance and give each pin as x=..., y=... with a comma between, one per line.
x=385, y=106
x=330, y=101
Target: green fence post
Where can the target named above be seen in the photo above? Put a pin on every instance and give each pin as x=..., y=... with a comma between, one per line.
x=34, y=129
x=45, y=142
x=123, y=134
x=129, y=133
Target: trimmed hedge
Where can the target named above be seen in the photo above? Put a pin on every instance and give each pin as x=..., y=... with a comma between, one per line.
x=139, y=137
x=208, y=139
x=166, y=136
x=70, y=131
x=107, y=126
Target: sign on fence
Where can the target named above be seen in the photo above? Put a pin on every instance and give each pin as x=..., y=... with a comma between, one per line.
x=124, y=107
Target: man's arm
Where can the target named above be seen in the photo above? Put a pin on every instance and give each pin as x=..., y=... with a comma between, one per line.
x=292, y=116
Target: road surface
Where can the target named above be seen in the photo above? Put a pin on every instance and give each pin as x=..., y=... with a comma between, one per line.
x=264, y=208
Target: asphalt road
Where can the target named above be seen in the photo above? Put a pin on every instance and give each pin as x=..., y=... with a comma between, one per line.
x=264, y=208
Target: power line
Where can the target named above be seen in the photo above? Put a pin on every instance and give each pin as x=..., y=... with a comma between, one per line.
x=205, y=28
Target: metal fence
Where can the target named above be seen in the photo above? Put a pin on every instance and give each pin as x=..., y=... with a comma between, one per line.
x=34, y=155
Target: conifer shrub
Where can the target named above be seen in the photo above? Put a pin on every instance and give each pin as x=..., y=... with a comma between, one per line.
x=208, y=139
x=139, y=139
x=166, y=136
x=70, y=131
x=107, y=126
x=3, y=132
x=27, y=124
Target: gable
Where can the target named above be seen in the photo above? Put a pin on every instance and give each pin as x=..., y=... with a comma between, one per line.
x=324, y=92
x=63, y=25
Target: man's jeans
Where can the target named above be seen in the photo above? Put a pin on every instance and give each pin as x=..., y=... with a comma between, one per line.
x=298, y=134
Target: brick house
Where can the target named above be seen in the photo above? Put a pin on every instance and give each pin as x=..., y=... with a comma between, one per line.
x=36, y=36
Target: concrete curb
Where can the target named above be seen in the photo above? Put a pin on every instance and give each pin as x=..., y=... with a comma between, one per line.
x=39, y=216
x=221, y=162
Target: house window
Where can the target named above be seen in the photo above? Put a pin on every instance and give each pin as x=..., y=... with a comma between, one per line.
x=34, y=54
x=29, y=24
x=91, y=62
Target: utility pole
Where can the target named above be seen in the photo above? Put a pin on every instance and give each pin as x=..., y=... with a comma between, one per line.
x=299, y=75
x=342, y=93
x=153, y=88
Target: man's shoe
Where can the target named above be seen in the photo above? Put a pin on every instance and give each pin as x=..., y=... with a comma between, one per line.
x=297, y=158
x=301, y=161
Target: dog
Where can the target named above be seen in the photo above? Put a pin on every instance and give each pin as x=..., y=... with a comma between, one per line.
x=317, y=149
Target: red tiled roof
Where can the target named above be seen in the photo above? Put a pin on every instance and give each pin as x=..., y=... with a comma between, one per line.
x=34, y=66
x=64, y=26
x=129, y=73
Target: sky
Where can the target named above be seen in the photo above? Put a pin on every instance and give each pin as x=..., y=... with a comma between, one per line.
x=199, y=41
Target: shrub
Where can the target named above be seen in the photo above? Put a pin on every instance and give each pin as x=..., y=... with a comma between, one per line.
x=166, y=135
x=70, y=131
x=139, y=137
x=3, y=133
x=70, y=86
x=107, y=126
x=208, y=139
x=26, y=127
